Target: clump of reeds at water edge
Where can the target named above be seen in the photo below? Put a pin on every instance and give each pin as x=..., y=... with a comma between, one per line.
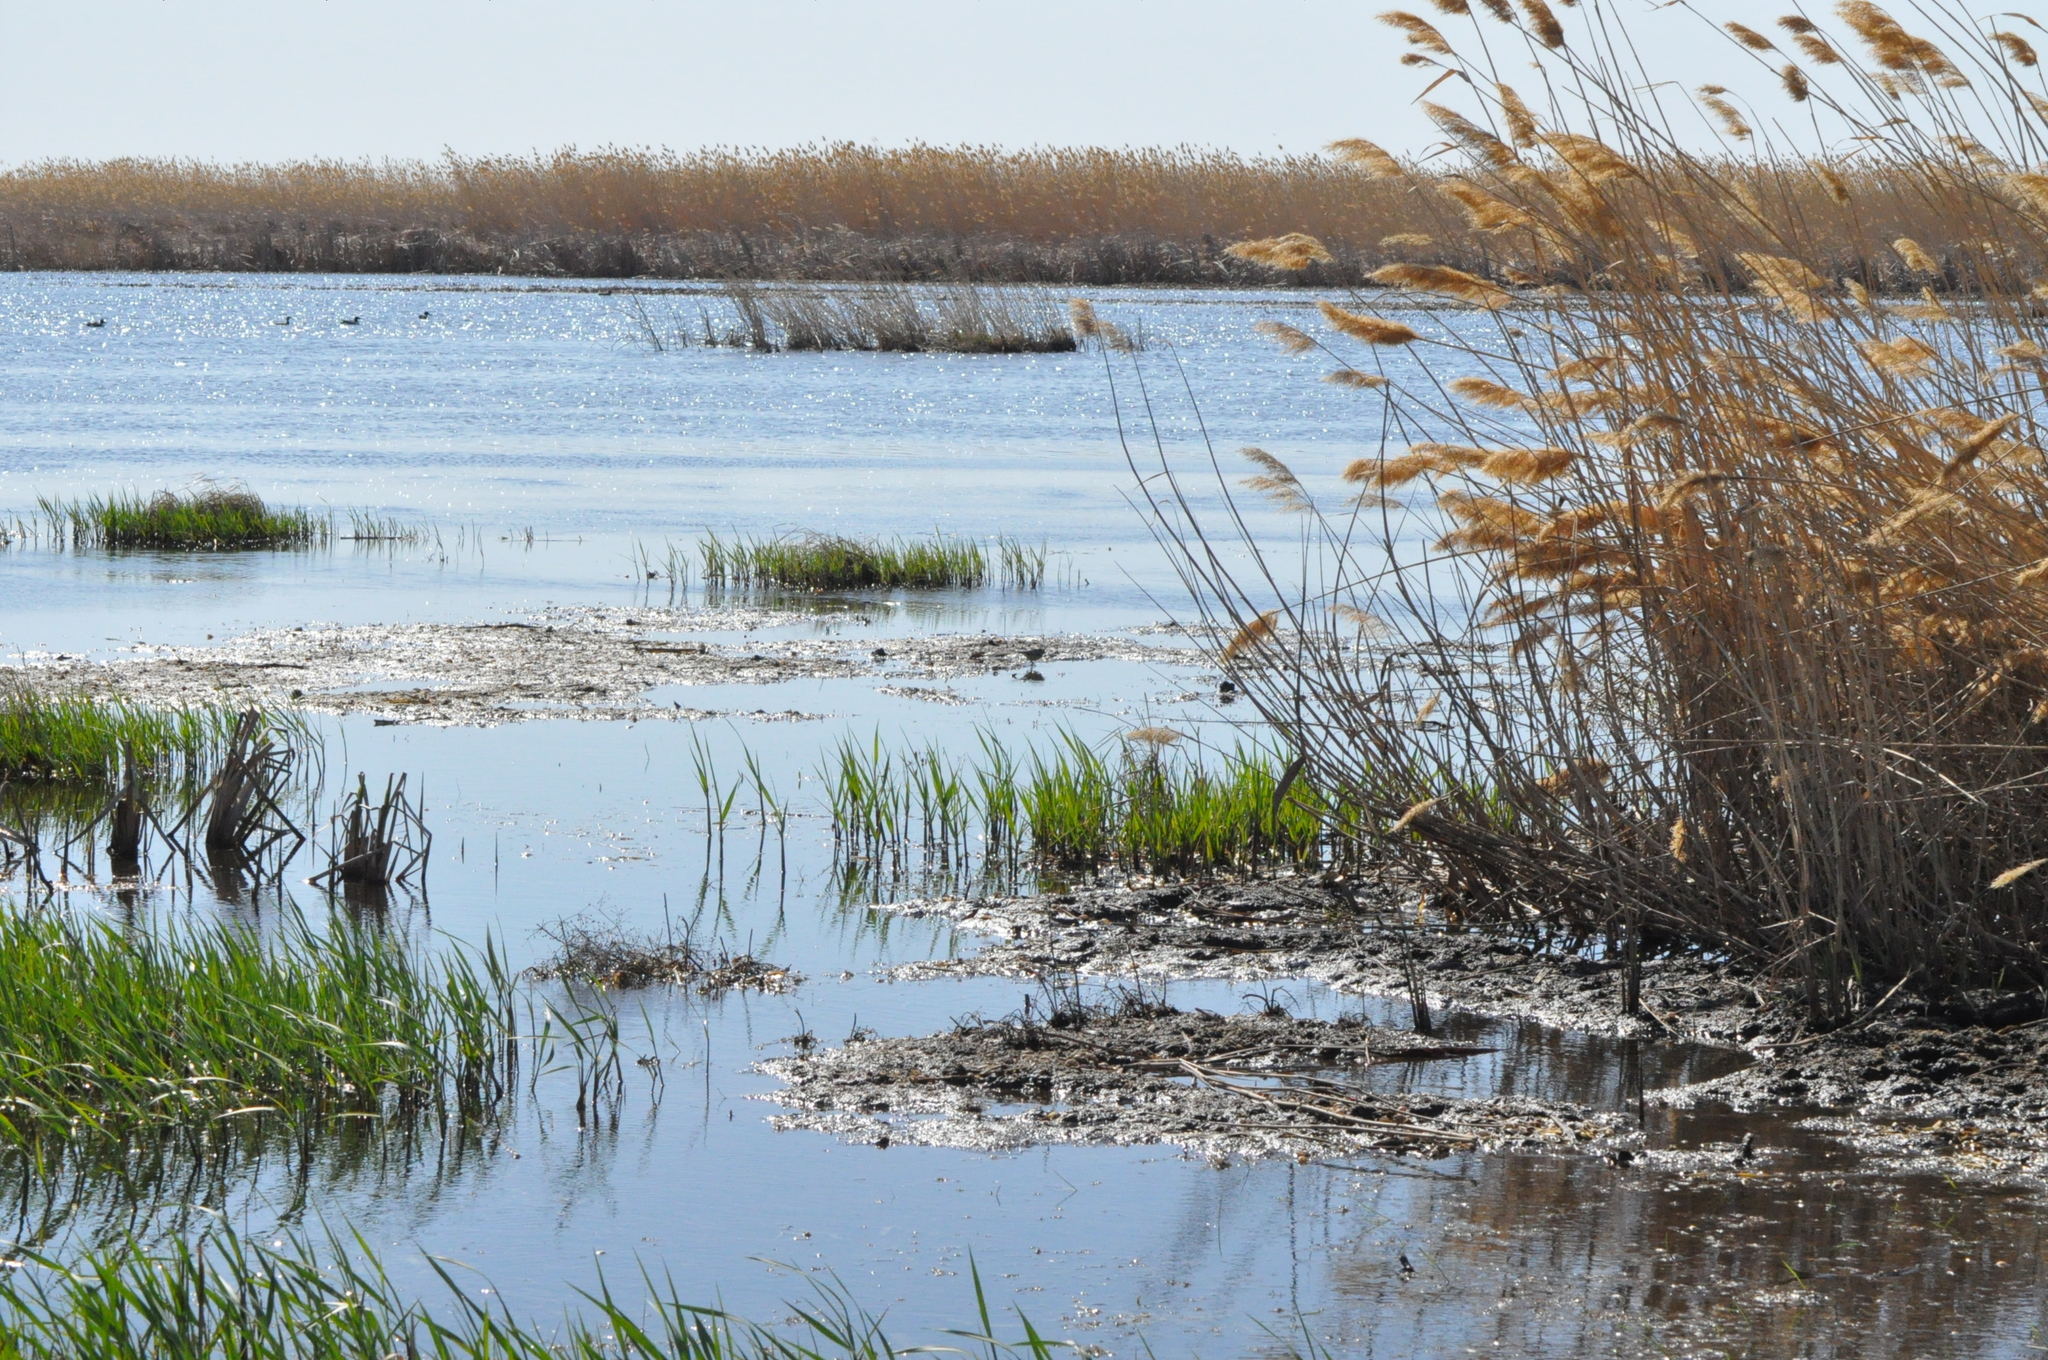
x=824, y=562
x=111, y=1031
x=204, y=518
x=1735, y=629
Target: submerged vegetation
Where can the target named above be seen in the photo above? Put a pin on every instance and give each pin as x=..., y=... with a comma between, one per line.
x=1734, y=609
x=108, y=1031
x=205, y=518
x=819, y=562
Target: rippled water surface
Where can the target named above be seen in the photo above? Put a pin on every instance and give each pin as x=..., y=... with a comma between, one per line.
x=547, y=445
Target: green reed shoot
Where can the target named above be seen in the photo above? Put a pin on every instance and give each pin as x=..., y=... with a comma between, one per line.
x=332, y=1299
x=1140, y=804
x=206, y=518
x=364, y=527
x=73, y=738
x=108, y=1031
x=818, y=562
x=1023, y=565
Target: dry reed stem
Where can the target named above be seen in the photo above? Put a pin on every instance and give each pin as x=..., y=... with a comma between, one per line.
x=1734, y=630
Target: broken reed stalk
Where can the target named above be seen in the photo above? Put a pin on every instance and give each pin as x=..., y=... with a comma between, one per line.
x=1734, y=625
x=378, y=845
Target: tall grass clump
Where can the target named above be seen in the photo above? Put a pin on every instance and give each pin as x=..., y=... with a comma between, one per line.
x=819, y=562
x=1734, y=592
x=108, y=1032
x=205, y=518
x=73, y=738
x=905, y=318
x=1140, y=803
x=311, y=1299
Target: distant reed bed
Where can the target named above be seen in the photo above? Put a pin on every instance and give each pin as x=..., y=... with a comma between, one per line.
x=1732, y=626
x=849, y=212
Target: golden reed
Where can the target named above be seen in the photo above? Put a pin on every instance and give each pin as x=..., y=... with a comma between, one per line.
x=1712, y=515
x=1052, y=215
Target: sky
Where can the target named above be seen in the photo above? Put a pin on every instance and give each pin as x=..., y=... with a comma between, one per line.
x=229, y=80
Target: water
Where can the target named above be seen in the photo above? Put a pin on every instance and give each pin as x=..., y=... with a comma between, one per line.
x=517, y=406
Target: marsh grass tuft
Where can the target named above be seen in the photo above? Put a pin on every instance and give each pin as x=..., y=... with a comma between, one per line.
x=822, y=562
x=202, y=519
x=110, y=1031
x=1142, y=804
x=73, y=738
x=904, y=318
x=225, y=1295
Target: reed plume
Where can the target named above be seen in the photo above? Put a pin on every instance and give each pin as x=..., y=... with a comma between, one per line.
x=1735, y=623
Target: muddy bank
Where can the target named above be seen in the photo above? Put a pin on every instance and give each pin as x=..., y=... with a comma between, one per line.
x=583, y=662
x=1210, y=1083
x=1908, y=1084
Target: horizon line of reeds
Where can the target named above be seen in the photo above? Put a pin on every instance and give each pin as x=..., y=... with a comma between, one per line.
x=842, y=211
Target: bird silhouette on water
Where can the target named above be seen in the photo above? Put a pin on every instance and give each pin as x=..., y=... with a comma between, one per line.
x=286, y=322
x=351, y=321
x=425, y=315
x=95, y=325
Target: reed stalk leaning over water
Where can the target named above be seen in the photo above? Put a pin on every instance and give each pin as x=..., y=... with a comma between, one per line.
x=1699, y=594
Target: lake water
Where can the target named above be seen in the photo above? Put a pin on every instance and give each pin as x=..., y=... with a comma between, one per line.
x=548, y=447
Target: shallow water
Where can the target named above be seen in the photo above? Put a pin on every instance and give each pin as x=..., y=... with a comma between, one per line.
x=516, y=406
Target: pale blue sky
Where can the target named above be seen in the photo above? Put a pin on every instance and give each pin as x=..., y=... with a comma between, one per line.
x=232, y=80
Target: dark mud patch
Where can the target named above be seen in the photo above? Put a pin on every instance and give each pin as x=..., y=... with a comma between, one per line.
x=595, y=662
x=1908, y=1085
x=1214, y=1084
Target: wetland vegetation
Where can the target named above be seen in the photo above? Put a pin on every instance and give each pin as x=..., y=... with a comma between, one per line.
x=1731, y=629
x=202, y=519
x=844, y=212
x=827, y=562
x=1671, y=661
x=1136, y=805
x=110, y=1031
x=331, y=1299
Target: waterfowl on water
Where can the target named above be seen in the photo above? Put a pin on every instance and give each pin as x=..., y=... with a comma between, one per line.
x=351, y=320
x=95, y=325
x=286, y=322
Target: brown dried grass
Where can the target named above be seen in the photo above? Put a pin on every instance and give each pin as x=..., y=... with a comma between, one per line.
x=1747, y=644
x=843, y=211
